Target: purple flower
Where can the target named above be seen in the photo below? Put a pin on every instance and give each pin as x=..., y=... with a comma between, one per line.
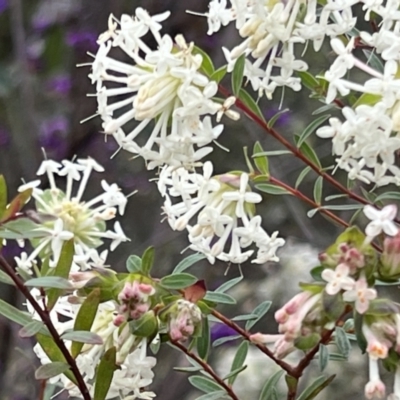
x=219, y=331
x=52, y=136
x=82, y=40
x=3, y=5
x=60, y=84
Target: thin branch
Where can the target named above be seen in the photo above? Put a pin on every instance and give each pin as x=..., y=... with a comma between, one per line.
x=284, y=365
x=207, y=368
x=47, y=321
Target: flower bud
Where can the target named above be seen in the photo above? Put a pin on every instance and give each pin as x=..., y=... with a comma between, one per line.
x=390, y=260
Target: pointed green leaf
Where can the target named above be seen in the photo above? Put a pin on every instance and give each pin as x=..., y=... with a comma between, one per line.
x=145, y=326
x=219, y=74
x=318, y=190
x=85, y=317
x=238, y=361
x=310, y=154
x=311, y=128
x=246, y=317
x=204, y=384
x=61, y=270
x=250, y=103
x=323, y=356
x=207, y=65
x=308, y=80
x=213, y=395
x=271, y=189
x=260, y=311
x=3, y=196
x=178, y=281
x=134, y=264
x=105, y=372
x=260, y=161
x=82, y=337
x=188, y=262
x=147, y=260
x=54, y=353
x=275, y=118
x=302, y=175
x=388, y=196
x=13, y=314
x=316, y=387
x=342, y=341
x=21, y=228
x=219, y=298
x=203, y=341
x=4, y=278
x=270, y=384
x=51, y=370
x=50, y=282
x=228, y=285
x=32, y=329
x=225, y=339
x=16, y=204
x=237, y=75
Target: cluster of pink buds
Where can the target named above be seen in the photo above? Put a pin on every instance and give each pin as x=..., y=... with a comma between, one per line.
x=134, y=301
x=184, y=319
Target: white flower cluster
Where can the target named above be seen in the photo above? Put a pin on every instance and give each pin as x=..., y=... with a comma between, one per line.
x=165, y=85
x=63, y=216
x=135, y=371
x=224, y=206
x=271, y=29
x=367, y=141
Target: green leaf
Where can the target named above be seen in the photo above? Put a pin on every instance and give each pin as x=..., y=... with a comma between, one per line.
x=275, y=118
x=204, y=384
x=335, y=196
x=217, y=297
x=237, y=75
x=85, y=317
x=134, y=264
x=248, y=162
x=337, y=357
x=219, y=74
x=260, y=161
x=50, y=282
x=308, y=80
x=54, y=353
x=250, y=103
x=50, y=370
x=318, y=189
x=5, y=278
x=344, y=207
x=342, y=341
x=310, y=154
x=203, y=341
x=147, y=260
x=213, y=395
x=270, y=384
x=21, y=228
x=145, y=326
x=388, y=196
x=105, y=372
x=61, y=270
x=238, y=361
x=246, y=317
x=207, y=65
x=178, y=281
x=316, y=387
x=323, y=356
x=373, y=60
x=225, y=339
x=301, y=176
x=188, y=262
x=272, y=153
x=13, y=314
x=188, y=369
x=32, y=328
x=271, y=189
x=260, y=311
x=228, y=285
x=235, y=372
x=3, y=196
x=316, y=273
x=311, y=128
x=155, y=345
x=16, y=204
x=83, y=337
x=368, y=99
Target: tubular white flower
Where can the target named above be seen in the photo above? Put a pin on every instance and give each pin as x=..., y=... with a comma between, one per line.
x=66, y=216
x=165, y=85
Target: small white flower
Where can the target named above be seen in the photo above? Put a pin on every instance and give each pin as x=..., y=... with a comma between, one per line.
x=381, y=220
x=337, y=279
x=361, y=294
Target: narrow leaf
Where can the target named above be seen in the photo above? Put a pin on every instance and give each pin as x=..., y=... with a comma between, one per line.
x=85, y=317
x=204, y=384
x=266, y=392
x=204, y=340
x=275, y=118
x=147, y=260
x=237, y=75
x=308, y=80
x=178, y=281
x=225, y=339
x=318, y=190
x=105, y=372
x=260, y=161
x=310, y=154
x=228, y=285
x=260, y=311
x=4, y=278
x=316, y=387
x=13, y=314
x=31, y=329
x=271, y=189
x=219, y=74
x=301, y=176
x=250, y=103
x=235, y=372
x=83, y=337
x=323, y=356
x=207, y=65
x=188, y=262
x=219, y=298
x=213, y=395
x=16, y=204
x=311, y=128
x=240, y=358
x=51, y=370
x=342, y=341
x=3, y=196
x=50, y=282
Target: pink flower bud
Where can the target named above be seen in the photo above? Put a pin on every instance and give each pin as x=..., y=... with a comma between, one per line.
x=391, y=257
